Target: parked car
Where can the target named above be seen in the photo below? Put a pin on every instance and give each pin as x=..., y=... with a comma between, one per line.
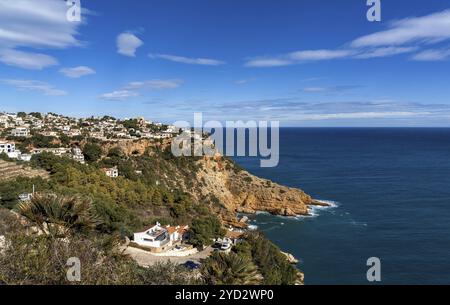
x=191, y=265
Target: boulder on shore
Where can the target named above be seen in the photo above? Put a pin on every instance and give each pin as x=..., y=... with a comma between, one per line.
x=290, y=257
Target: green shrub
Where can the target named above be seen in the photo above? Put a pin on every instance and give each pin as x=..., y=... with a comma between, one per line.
x=204, y=230
x=92, y=152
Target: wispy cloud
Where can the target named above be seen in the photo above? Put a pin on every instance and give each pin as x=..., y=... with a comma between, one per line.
x=385, y=52
x=312, y=79
x=23, y=24
x=77, y=72
x=155, y=84
x=432, y=55
x=33, y=85
x=298, y=111
x=331, y=89
x=404, y=36
x=133, y=89
x=298, y=57
x=26, y=60
x=128, y=43
x=359, y=115
x=243, y=81
x=313, y=55
x=268, y=62
x=119, y=95
x=427, y=29
x=188, y=60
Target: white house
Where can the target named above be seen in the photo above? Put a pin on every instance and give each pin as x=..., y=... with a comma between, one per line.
x=111, y=172
x=9, y=148
x=76, y=151
x=74, y=133
x=64, y=127
x=49, y=133
x=6, y=147
x=56, y=151
x=79, y=158
x=77, y=155
x=162, y=135
x=159, y=238
x=24, y=157
x=153, y=237
x=20, y=132
x=4, y=121
x=172, y=129
x=25, y=196
x=2, y=243
x=177, y=233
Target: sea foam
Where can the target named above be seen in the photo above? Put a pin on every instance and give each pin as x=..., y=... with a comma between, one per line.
x=314, y=210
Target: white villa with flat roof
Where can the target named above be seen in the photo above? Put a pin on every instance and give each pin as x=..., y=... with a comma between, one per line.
x=159, y=238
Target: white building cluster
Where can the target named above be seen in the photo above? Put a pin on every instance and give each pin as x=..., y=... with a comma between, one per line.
x=15, y=127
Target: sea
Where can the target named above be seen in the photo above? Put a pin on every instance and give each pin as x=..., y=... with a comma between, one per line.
x=389, y=191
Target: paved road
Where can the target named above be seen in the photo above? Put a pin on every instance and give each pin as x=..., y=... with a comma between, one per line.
x=145, y=258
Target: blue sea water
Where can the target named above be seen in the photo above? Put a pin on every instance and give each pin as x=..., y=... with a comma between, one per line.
x=392, y=190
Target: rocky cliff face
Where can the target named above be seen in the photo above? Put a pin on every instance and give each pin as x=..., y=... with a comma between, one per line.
x=239, y=191
x=129, y=147
x=219, y=181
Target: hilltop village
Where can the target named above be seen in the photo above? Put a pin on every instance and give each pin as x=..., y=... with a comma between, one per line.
x=56, y=133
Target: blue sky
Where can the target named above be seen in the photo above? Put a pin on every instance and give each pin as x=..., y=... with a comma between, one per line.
x=304, y=63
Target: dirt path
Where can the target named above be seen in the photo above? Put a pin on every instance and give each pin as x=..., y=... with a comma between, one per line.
x=144, y=258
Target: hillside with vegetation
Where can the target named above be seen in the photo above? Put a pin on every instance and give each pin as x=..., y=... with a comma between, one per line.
x=77, y=210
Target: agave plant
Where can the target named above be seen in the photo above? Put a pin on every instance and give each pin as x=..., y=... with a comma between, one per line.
x=59, y=215
x=229, y=269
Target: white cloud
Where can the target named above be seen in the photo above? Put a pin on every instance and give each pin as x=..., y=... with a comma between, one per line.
x=77, y=72
x=155, y=84
x=243, y=81
x=332, y=89
x=127, y=44
x=321, y=55
x=315, y=89
x=33, y=85
x=429, y=29
x=188, y=60
x=26, y=60
x=359, y=115
x=311, y=55
x=298, y=57
x=403, y=36
x=26, y=24
x=23, y=23
x=385, y=52
x=119, y=95
x=432, y=55
x=132, y=89
x=267, y=62
x=312, y=79
x=298, y=111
